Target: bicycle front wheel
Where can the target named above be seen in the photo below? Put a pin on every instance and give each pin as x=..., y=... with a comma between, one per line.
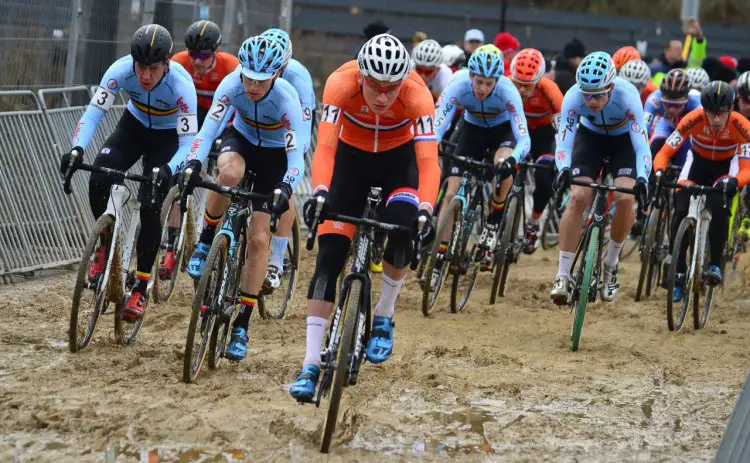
x=676, y=312
x=511, y=222
x=354, y=298
x=468, y=260
x=439, y=263
x=649, y=252
x=589, y=259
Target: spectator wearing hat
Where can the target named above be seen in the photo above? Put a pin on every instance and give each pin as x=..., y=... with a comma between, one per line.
x=473, y=39
x=509, y=45
x=567, y=64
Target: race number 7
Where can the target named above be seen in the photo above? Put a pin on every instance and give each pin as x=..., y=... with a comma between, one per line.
x=331, y=113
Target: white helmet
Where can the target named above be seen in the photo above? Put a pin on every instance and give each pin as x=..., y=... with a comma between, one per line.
x=427, y=53
x=698, y=78
x=384, y=58
x=636, y=72
x=453, y=55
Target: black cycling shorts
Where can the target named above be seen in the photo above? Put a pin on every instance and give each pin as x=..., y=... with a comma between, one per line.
x=590, y=149
x=479, y=143
x=702, y=171
x=268, y=164
x=542, y=141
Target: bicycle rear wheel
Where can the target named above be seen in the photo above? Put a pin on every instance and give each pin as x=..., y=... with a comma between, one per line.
x=207, y=305
x=511, y=222
x=85, y=309
x=685, y=234
x=172, y=217
x=274, y=302
x=649, y=252
x=434, y=280
x=468, y=259
x=352, y=301
x=588, y=261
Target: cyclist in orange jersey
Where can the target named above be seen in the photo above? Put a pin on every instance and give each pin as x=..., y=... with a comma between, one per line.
x=377, y=129
x=205, y=63
x=718, y=135
x=625, y=55
x=542, y=100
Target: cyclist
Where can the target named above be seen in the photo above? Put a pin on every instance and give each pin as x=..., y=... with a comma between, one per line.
x=296, y=74
x=542, y=101
x=638, y=73
x=611, y=125
x=160, y=122
x=698, y=80
x=743, y=107
x=669, y=101
x=206, y=64
x=427, y=60
x=267, y=137
x=454, y=57
x=494, y=123
x=377, y=129
x=625, y=55
x=718, y=134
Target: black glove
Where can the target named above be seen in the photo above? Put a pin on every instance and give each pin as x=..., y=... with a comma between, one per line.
x=562, y=180
x=282, y=204
x=195, y=176
x=507, y=168
x=730, y=187
x=308, y=210
x=65, y=159
x=427, y=234
x=641, y=193
x=164, y=179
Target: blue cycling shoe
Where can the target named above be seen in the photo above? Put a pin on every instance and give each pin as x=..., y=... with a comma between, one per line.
x=237, y=349
x=380, y=347
x=303, y=388
x=677, y=294
x=713, y=275
x=198, y=260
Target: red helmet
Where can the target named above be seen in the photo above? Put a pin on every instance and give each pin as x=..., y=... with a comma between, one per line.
x=625, y=54
x=527, y=66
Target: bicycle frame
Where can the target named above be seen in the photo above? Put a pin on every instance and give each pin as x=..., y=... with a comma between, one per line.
x=700, y=213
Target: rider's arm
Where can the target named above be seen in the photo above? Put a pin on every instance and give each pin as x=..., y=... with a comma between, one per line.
x=555, y=99
x=566, y=132
x=425, y=145
x=649, y=112
x=103, y=99
x=187, y=117
x=741, y=128
x=328, y=133
x=638, y=135
x=677, y=138
x=296, y=138
x=446, y=108
x=302, y=81
x=514, y=105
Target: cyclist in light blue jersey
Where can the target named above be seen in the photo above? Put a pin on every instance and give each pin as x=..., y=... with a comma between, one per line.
x=269, y=138
x=160, y=120
x=494, y=127
x=296, y=74
x=611, y=126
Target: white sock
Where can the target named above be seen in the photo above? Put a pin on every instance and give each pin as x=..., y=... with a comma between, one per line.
x=533, y=220
x=613, y=254
x=387, y=303
x=316, y=329
x=279, y=249
x=565, y=263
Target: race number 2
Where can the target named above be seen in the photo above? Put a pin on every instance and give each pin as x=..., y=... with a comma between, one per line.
x=217, y=111
x=103, y=99
x=290, y=141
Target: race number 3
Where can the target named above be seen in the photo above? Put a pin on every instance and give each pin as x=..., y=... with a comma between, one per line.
x=216, y=113
x=425, y=125
x=103, y=99
x=187, y=125
x=331, y=113
x=290, y=141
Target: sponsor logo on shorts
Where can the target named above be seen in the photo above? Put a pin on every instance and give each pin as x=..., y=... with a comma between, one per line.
x=226, y=148
x=506, y=144
x=576, y=171
x=454, y=170
x=105, y=151
x=625, y=171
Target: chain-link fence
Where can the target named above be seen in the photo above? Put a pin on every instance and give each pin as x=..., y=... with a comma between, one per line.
x=70, y=42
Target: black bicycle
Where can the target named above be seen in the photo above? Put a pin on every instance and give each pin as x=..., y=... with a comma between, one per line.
x=511, y=242
x=349, y=331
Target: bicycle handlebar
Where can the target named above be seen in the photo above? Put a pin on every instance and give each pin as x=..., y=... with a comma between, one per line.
x=469, y=161
x=121, y=175
x=602, y=187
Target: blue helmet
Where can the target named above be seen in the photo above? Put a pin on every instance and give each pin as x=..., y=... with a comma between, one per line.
x=487, y=61
x=283, y=38
x=261, y=58
x=596, y=72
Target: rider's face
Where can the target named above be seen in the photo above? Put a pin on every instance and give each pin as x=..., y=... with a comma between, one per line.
x=596, y=101
x=149, y=76
x=256, y=89
x=717, y=121
x=482, y=86
x=379, y=95
x=201, y=61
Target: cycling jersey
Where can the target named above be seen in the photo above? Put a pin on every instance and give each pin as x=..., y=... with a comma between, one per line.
x=650, y=88
x=440, y=81
x=206, y=85
x=273, y=122
x=298, y=75
x=346, y=116
x=544, y=105
x=502, y=105
x=733, y=140
x=622, y=114
x=170, y=105
x=654, y=109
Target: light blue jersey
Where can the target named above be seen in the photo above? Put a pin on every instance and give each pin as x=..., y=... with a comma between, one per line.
x=300, y=78
x=172, y=104
x=654, y=111
x=622, y=114
x=273, y=122
x=502, y=105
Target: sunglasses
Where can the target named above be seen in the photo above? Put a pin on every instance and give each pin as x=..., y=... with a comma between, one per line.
x=428, y=71
x=201, y=55
x=673, y=104
x=594, y=96
x=389, y=90
x=526, y=85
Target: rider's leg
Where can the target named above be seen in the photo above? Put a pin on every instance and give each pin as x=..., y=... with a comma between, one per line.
x=621, y=222
x=231, y=168
x=283, y=230
x=718, y=229
x=570, y=225
x=498, y=197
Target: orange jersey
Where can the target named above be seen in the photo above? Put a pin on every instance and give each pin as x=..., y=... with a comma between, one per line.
x=733, y=140
x=205, y=85
x=346, y=116
x=542, y=107
x=650, y=88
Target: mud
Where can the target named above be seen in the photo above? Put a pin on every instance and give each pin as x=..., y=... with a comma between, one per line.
x=495, y=383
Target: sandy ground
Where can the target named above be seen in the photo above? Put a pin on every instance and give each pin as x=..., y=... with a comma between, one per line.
x=495, y=383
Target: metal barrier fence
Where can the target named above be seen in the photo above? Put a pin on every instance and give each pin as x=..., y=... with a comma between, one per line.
x=40, y=226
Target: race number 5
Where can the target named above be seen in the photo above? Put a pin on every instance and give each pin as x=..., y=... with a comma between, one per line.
x=103, y=99
x=187, y=125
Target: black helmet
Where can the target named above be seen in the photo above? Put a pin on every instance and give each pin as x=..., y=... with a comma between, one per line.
x=717, y=96
x=203, y=36
x=743, y=85
x=151, y=44
x=675, y=85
